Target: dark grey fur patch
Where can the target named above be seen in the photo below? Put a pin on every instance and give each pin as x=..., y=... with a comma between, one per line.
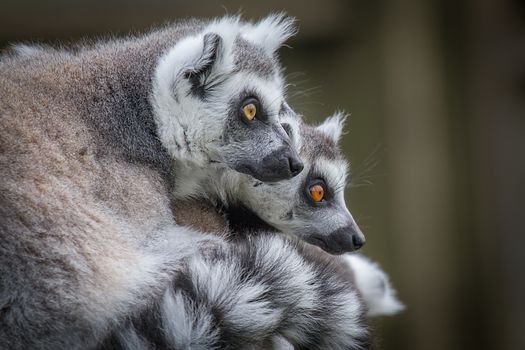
x=242, y=221
x=251, y=58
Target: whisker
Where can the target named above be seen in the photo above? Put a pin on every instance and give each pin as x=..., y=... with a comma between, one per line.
x=360, y=175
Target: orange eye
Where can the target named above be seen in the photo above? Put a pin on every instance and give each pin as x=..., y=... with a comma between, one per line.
x=249, y=111
x=317, y=192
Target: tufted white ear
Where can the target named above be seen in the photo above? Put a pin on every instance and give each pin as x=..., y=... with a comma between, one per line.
x=179, y=84
x=272, y=31
x=333, y=126
x=199, y=70
x=192, y=60
x=291, y=123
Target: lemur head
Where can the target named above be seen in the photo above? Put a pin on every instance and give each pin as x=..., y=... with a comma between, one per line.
x=311, y=205
x=217, y=97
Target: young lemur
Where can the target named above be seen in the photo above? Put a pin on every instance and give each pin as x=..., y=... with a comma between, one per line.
x=311, y=205
x=87, y=138
x=205, y=314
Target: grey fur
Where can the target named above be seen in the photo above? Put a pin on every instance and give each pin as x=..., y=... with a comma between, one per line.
x=87, y=236
x=250, y=57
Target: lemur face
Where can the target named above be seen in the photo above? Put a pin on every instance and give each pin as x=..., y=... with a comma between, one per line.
x=218, y=96
x=311, y=205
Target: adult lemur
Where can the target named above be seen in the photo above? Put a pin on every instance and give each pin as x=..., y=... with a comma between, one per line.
x=202, y=310
x=87, y=236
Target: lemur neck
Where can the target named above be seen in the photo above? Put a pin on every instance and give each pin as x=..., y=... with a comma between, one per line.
x=219, y=186
x=226, y=196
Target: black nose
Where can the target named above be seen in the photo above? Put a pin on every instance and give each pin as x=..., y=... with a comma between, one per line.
x=343, y=240
x=296, y=165
x=358, y=241
x=281, y=164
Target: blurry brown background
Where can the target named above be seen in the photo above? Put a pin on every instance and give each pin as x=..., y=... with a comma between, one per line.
x=436, y=93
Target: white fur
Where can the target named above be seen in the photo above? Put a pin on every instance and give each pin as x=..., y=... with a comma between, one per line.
x=187, y=325
x=245, y=304
x=272, y=31
x=299, y=271
x=130, y=340
x=374, y=285
x=280, y=343
x=27, y=50
x=333, y=126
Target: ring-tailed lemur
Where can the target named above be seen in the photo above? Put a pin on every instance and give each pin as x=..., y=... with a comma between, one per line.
x=87, y=236
x=220, y=303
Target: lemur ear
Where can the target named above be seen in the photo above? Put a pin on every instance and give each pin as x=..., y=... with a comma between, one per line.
x=291, y=123
x=271, y=32
x=202, y=67
x=333, y=126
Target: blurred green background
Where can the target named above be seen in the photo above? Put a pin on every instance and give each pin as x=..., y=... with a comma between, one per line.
x=436, y=93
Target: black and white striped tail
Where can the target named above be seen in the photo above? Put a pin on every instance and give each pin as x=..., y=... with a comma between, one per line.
x=251, y=293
